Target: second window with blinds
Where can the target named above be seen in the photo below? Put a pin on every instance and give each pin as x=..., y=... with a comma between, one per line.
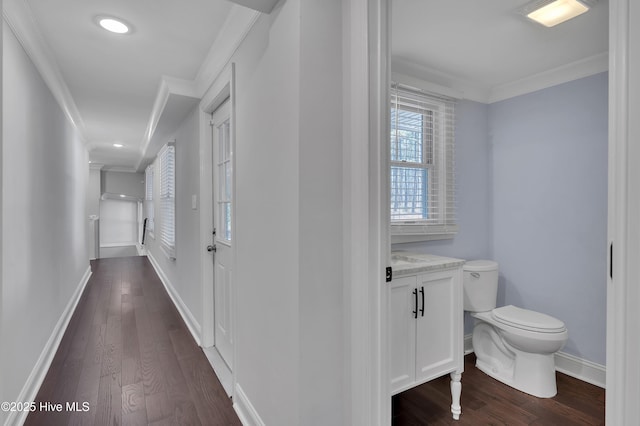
x=422, y=186
x=167, y=200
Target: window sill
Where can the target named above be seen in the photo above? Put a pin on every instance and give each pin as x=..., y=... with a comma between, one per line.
x=416, y=233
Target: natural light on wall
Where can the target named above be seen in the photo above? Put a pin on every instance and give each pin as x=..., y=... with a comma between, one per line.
x=554, y=12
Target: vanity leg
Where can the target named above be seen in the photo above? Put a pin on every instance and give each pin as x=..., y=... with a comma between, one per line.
x=456, y=389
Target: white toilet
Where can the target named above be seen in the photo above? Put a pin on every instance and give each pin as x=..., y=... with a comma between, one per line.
x=513, y=345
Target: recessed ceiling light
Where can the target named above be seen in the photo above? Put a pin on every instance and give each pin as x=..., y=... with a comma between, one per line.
x=115, y=25
x=118, y=145
x=122, y=195
x=553, y=12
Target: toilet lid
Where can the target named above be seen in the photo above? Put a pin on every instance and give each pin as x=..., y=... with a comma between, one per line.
x=480, y=266
x=527, y=320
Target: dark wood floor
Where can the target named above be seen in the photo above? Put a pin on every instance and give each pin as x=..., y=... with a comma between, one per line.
x=486, y=401
x=128, y=354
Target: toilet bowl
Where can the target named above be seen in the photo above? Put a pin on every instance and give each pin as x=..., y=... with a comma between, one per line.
x=513, y=345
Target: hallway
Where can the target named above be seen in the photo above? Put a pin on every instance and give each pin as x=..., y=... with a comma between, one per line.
x=128, y=354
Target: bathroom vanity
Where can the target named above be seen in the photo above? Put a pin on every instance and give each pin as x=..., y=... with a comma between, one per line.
x=426, y=322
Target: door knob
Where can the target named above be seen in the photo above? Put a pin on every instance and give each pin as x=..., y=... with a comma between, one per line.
x=212, y=248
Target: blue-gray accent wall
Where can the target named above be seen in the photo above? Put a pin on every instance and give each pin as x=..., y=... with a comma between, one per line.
x=549, y=209
x=531, y=174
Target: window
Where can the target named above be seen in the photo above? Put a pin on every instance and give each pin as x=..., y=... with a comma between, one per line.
x=148, y=179
x=224, y=194
x=168, y=200
x=422, y=164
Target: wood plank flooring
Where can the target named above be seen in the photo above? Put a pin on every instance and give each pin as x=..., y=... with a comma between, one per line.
x=128, y=355
x=127, y=358
x=486, y=401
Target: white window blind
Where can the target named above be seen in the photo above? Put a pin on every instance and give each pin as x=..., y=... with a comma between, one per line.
x=422, y=162
x=148, y=179
x=167, y=200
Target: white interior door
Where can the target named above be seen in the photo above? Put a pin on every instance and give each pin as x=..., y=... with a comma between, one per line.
x=223, y=238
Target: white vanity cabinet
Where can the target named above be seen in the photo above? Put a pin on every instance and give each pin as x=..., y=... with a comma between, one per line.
x=426, y=323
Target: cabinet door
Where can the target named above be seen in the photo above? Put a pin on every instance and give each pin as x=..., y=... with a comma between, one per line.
x=402, y=333
x=439, y=334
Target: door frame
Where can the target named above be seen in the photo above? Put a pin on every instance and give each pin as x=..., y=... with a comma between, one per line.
x=366, y=213
x=225, y=249
x=221, y=90
x=623, y=276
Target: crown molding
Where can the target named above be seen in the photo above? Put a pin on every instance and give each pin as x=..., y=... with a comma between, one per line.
x=234, y=30
x=419, y=83
x=467, y=90
x=421, y=74
x=17, y=14
x=569, y=72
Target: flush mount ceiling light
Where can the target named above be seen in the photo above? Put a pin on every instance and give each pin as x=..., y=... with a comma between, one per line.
x=553, y=12
x=115, y=25
x=118, y=145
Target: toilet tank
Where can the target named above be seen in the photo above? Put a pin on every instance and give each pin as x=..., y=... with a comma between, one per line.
x=480, y=285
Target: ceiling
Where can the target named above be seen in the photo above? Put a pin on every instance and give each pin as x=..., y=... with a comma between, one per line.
x=487, y=43
x=114, y=81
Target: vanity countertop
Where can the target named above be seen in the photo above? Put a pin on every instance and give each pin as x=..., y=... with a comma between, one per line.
x=408, y=263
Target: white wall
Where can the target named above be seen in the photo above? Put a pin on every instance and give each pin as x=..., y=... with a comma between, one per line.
x=183, y=272
x=2, y=363
x=320, y=211
x=290, y=340
x=44, y=223
x=118, y=223
x=130, y=184
x=268, y=256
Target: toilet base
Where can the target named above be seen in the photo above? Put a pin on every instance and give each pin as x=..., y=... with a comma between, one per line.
x=531, y=373
x=536, y=382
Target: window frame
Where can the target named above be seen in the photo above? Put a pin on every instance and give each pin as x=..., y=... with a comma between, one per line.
x=440, y=166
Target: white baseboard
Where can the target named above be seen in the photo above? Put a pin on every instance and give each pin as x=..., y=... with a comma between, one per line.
x=123, y=244
x=570, y=365
x=220, y=368
x=185, y=313
x=142, y=251
x=581, y=369
x=245, y=411
x=34, y=381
